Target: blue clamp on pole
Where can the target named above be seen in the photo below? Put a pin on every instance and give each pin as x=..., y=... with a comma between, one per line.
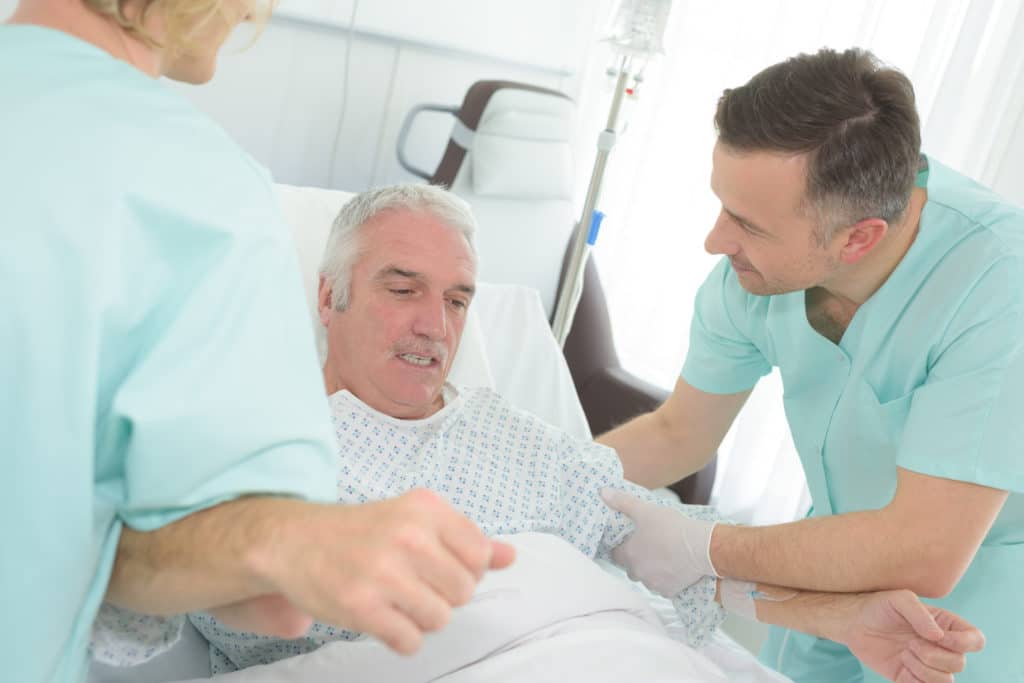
x=595, y=227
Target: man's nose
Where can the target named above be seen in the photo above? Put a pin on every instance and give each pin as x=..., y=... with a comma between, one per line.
x=719, y=240
x=431, y=319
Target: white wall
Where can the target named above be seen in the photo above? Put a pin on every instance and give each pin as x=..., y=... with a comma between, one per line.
x=1010, y=179
x=282, y=97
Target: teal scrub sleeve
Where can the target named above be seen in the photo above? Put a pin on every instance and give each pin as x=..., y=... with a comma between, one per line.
x=965, y=419
x=226, y=399
x=722, y=357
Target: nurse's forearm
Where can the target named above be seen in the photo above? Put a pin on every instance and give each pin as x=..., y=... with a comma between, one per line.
x=860, y=551
x=653, y=454
x=923, y=540
x=678, y=438
x=201, y=561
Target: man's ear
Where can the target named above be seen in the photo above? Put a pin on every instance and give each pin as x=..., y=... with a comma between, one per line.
x=861, y=238
x=323, y=300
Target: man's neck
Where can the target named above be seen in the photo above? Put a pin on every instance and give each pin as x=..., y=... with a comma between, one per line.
x=856, y=285
x=74, y=18
x=333, y=385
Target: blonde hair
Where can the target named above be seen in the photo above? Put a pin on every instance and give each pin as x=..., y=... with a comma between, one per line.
x=183, y=19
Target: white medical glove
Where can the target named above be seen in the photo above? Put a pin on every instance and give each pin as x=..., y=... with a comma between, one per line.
x=667, y=550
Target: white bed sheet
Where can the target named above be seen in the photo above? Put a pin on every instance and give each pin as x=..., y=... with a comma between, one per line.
x=551, y=617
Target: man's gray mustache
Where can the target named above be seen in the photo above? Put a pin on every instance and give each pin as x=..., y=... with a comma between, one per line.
x=433, y=351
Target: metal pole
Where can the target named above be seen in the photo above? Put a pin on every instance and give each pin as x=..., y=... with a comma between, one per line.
x=572, y=284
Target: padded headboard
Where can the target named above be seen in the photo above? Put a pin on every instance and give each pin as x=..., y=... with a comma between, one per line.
x=510, y=156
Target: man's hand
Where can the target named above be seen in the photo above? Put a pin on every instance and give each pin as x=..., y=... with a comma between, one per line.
x=901, y=638
x=393, y=569
x=667, y=550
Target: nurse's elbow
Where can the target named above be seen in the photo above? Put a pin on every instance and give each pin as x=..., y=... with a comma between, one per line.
x=935, y=577
x=932, y=588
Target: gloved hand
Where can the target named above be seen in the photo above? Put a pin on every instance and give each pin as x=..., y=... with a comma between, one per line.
x=667, y=550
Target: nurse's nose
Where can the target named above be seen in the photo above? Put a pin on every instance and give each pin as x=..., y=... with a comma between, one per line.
x=720, y=239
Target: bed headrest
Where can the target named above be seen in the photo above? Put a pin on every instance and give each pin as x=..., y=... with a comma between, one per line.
x=521, y=148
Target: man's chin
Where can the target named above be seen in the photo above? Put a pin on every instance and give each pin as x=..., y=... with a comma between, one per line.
x=753, y=283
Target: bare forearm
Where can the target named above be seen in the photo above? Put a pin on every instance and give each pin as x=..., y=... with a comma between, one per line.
x=210, y=558
x=862, y=551
x=652, y=454
x=678, y=438
x=815, y=613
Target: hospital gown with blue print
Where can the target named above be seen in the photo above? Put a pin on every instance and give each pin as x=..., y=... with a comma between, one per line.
x=502, y=467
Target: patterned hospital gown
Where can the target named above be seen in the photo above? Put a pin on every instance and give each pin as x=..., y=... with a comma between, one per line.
x=502, y=467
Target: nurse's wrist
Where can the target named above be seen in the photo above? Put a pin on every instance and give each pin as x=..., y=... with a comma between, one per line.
x=265, y=556
x=722, y=536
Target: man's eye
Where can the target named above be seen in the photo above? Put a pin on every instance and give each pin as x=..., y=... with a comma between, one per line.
x=458, y=303
x=401, y=292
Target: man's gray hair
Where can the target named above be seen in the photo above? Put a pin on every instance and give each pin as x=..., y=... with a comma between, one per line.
x=344, y=244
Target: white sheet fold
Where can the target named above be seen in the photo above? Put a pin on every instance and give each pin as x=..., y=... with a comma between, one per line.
x=553, y=616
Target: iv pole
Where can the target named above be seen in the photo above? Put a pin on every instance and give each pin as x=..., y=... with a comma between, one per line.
x=572, y=284
x=637, y=32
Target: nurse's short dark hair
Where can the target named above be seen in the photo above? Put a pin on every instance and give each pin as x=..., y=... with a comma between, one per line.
x=853, y=116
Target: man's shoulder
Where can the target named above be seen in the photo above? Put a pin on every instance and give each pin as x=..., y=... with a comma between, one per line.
x=973, y=214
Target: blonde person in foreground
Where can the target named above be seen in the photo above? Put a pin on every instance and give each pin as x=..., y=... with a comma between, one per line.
x=147, y=275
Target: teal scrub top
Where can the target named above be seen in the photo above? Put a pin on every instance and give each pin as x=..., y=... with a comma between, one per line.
x=929, y=376
x=156, y=356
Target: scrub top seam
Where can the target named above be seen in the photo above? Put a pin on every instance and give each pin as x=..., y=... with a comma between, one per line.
x=943, y=345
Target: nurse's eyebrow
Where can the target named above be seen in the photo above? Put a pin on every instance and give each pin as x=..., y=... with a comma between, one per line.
x=750, y=224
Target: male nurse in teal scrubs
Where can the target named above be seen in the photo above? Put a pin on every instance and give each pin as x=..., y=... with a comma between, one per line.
x=889, y=291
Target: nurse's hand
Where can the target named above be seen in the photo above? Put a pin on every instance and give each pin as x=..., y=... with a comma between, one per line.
x=901, y=638
x=667, y=551
x=270, y=615
x=394, y=569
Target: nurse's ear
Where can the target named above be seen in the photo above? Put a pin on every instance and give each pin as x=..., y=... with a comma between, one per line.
x=323, y=300
x=859, y=239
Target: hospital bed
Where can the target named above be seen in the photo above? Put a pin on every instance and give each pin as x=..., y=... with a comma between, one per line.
x=507, y=345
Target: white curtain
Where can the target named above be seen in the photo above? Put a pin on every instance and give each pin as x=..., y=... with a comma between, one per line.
x=966, y=60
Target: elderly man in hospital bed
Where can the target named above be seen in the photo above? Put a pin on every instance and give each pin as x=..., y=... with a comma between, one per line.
x=396, y=283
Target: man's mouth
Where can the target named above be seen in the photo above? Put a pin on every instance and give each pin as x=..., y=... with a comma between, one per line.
x=416, y=359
